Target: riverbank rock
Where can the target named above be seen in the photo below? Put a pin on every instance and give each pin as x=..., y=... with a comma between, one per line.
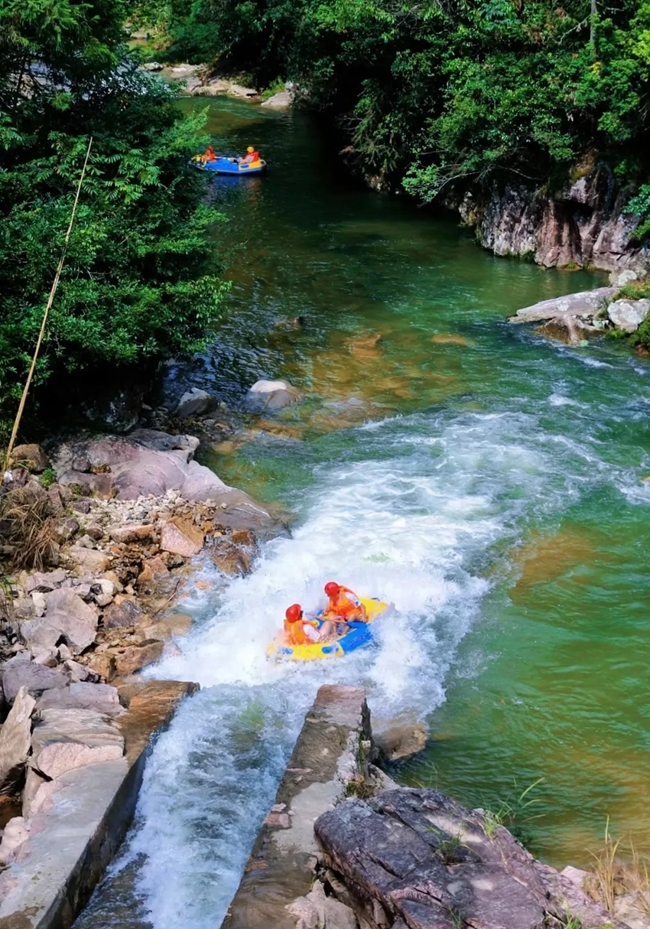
x=584, y=224
x=400, y=741
x=194, y=402
x=151, y=463
x=21, y=672
x=180, y=537
x=271, y=396
x=417, y=858
x=31, y=457
x=585, y=304
x=101, y=698
x=280, y=101
x=628, y=314
x=15, y=739
x=73, y=738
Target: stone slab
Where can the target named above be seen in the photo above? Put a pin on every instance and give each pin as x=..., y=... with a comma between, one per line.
x=586, y=303
x=324, y=760
x=71, y=843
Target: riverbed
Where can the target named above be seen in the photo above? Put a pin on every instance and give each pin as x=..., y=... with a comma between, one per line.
x=484, y=479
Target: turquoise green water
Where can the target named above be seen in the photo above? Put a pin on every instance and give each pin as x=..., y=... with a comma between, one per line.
x=487, y=481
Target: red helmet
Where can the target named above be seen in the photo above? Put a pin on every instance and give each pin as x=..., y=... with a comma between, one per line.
x=293, y=613
x=332, y=588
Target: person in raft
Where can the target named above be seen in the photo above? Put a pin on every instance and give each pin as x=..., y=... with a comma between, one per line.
x=210, y=154
x=343, y=607
x=298, y=630
x=251, y=156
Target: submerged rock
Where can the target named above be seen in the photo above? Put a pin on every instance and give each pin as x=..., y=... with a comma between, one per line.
x=194, y=402
x=271, y=396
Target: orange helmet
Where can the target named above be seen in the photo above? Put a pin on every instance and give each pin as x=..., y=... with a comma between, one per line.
x=293, y=613
x=332, y=588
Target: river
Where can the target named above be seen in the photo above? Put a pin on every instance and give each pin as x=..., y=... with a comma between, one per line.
x=484, y=479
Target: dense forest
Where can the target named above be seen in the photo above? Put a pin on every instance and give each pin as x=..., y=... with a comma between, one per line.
x=139, y=280
x=448, y=92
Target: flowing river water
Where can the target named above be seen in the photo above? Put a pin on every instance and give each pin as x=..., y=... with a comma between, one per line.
x=484, y=479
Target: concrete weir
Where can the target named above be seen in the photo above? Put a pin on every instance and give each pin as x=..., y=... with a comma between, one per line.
x=71, y=843
x=329, y=756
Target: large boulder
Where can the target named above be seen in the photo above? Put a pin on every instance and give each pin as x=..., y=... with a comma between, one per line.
x=15, y=739
x=628, y=314
x=72, y=738
x=151, y=462
x=271, y=396
x=194, y=402
x=21, y=672
x=75, y=620
x=417, y=858
x=586, y=303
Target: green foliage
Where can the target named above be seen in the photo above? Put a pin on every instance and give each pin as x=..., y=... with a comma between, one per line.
x=451, y=93
x=139, y=280
x=48, y=477
x=640, y=206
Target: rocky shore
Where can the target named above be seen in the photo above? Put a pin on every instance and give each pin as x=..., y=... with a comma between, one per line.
x=344, y=847
x=575, y=317
x=97, y=542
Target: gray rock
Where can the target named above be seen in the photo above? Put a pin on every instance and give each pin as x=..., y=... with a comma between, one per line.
x=15, y=738
x=39, y=634
x=194, y=402
x=76, y=620
x=15, y=835
x=628, y=314
x=586, y=303
x=45, y=582
x=315, y=910
x=21, y=672
x=103, y=698
x=152, y=66
x=621, y=278
x=271, y=396
x=88, y=560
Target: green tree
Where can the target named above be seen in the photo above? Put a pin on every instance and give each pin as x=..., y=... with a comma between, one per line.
x=140, y=278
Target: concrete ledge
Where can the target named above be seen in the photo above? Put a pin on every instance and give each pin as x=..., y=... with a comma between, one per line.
x=73, y=841
x=330, y=751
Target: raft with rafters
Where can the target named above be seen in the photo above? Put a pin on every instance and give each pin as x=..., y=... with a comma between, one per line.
x=360, y=634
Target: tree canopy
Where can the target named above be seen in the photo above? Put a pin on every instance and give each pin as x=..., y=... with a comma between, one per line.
x=139, y=280
x=448, y=91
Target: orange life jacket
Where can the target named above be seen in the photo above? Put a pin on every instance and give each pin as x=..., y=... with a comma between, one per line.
x=346, y=606
x=295, y=633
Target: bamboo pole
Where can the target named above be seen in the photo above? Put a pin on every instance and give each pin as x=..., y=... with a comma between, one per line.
x=48, y=307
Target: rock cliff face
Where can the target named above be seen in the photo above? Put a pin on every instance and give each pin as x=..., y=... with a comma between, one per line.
x=583, y=225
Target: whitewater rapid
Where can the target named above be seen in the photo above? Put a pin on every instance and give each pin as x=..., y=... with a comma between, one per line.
x=414, y=510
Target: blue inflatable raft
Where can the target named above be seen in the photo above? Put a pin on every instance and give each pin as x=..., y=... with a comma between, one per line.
x=360, y=634
x=231, y=166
